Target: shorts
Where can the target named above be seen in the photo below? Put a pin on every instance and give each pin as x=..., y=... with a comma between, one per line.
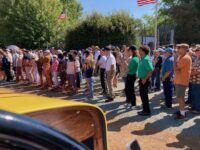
x=180, y=91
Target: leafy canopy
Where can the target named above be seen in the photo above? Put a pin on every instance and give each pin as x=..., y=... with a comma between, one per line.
x=35, y=23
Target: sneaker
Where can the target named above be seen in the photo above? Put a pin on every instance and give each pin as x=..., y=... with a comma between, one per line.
x=126, y=104
x=178, y=116
x=134, y=107
x=142, y=113
x=129, y=106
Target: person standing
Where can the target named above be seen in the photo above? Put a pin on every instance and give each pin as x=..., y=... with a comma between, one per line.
x=19, y=60
x=157, y=63
x=131, y=77
x=71, y=72
x=125, y=60
x=78, y=69
x=40, y=67
x=145, y=70
x=6, y=66
x=182, y=68
x=195, y=83
x=96, y=53
x=89, y=68
x=54, y=68
x=167, y=77
x=102, y=65
x=110, y=72
x=47, y=68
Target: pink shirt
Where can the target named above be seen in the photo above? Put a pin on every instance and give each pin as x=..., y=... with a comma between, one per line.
x=55, y=65
x=71, y=67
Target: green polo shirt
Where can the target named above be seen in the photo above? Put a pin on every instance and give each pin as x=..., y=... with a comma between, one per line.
x=145, y=65
x=133, y=65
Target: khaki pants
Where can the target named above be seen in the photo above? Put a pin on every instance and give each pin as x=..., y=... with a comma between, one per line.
x=110, y=77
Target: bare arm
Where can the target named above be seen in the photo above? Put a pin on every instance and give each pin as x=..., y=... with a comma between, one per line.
x=166, y=75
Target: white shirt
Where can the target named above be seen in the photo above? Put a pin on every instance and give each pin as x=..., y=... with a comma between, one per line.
x=96, y=55
x=77, y=64
x=14, y=58
x=102, y=62
x=110, y=61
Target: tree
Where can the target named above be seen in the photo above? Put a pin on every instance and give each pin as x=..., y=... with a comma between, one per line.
x=117, y=29
x=35, y=23
x=185, y=14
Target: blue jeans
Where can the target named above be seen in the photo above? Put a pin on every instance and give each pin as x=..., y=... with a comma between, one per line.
x=155, y=79
x=195, y=90
x=168, y=92
x=71, y=78
x=90, y=84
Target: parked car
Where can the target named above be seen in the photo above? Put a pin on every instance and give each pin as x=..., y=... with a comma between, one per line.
x=31, y=122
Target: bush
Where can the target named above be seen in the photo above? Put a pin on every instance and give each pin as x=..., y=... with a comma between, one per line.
x=96, y=29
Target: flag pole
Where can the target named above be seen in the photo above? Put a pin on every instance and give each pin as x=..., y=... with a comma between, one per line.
x=156, y=26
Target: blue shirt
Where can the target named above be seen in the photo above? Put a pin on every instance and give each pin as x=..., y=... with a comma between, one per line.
x=167, y=66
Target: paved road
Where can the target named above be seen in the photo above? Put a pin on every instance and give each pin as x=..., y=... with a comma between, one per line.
x=158, y=132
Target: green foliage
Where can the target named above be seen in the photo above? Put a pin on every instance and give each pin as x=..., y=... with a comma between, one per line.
x=186, y=16
x=117, y=29
x=35, y=23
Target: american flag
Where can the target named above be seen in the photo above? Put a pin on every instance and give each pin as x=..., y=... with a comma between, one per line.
x=144, y=2
x=62, y=15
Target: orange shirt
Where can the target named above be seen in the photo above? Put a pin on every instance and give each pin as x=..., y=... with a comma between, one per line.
x=182, y=74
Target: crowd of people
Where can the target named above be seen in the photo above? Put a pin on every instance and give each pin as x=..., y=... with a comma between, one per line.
x=171, y=68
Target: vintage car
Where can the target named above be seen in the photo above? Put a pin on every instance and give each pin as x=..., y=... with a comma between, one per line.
x=83, y=122
x=31, y=122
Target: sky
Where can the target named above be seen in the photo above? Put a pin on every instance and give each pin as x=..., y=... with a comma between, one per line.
x=107, y=6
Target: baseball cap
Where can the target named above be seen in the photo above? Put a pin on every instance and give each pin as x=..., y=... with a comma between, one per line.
x=170, y=50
